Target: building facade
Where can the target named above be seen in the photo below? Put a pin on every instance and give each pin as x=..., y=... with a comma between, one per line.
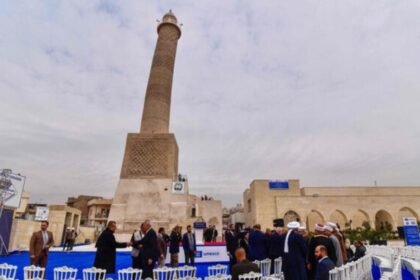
x=81, y=202
x=266, y=204
x=98, y=212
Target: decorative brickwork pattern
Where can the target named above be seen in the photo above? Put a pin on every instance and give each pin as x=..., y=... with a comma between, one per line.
x=150, y=156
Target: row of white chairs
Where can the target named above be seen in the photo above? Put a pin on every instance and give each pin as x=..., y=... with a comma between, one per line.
x=265, y=266
x=8, y=272
x=410, y=252
x=392, y=253
x=216, y=272
x=247, y=276
x=401, y=257
x=360, y=269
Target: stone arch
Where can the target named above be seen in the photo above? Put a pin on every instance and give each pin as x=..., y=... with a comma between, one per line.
x=291, y=216
x=383, y=219
x=406, y=212
x=358, y=218
x=314, y=217
x=339, y=218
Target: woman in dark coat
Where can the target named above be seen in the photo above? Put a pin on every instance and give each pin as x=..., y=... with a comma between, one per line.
x=107, y=249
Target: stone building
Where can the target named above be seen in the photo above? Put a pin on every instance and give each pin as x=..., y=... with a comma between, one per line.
x=81, y=202
x=266, y=201
x=61, y=217
x=98, y=212
x=234, y=215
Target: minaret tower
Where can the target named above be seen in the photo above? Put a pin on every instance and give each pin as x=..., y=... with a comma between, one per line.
x=157, y=104
x=154, y=152
x=150, y=164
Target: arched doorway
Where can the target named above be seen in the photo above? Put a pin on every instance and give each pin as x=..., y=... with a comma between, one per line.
x=358, y=218
x=383, y=221
x=339, y=218
x=405, y=212
x=291, y=216
x=314, y=217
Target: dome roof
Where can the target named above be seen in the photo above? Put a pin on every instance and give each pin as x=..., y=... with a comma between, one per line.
x=169, y=17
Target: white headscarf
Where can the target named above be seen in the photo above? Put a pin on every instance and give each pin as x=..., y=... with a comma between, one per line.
x=291, y=226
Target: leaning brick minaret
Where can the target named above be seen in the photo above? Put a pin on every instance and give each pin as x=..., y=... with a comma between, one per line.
x=154, y=152
x=150, y=163
x=157, y=104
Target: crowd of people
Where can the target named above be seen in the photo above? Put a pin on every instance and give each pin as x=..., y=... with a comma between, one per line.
x=148, y=248
x=304, y=256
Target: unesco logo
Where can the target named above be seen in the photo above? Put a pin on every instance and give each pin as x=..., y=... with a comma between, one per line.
x=178, y=187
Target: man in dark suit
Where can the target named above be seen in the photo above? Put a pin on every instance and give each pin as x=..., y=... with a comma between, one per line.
x=319, y=239
x=231, y=244
x=189, y=245
x=243, y=265
x=275, y=247
x=150, y=251
x=107, y=248
x=174, y=241
x=325, y=264
x=360, y=250
x=257, y=244
x=40, y=244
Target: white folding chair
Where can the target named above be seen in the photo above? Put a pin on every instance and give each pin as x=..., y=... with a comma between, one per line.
x=334, y=274
x=8, y=271
x=273, y=277
x=94, y=273
x=186, y=271
x=264, y=266
x=277, y=265
x=217, y=269
x=164, y=273
x=65, y=273
x=250, y=276
x=129, y=274
x=33, y=272
x=407, y=264
x=219, y=277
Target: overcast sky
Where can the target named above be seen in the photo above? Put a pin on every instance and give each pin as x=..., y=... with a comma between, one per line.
x=327, y=92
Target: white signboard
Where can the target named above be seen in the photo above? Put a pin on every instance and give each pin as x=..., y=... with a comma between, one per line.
x=205, y=254
x=409, y=221
x=11, y=187
x=42, y=213
x=178, y=187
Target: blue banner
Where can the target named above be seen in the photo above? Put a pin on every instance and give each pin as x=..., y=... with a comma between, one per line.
x=276, y=185
x=198, y=225
x=411, y=231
